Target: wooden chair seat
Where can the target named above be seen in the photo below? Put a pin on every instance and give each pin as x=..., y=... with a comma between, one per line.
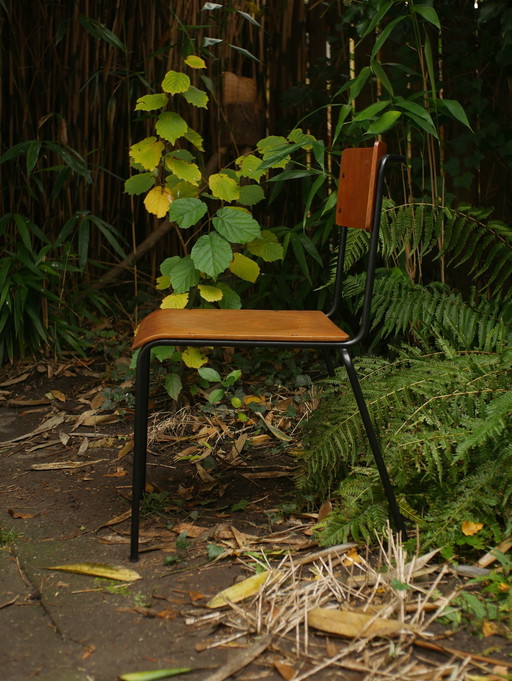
x=288, y=326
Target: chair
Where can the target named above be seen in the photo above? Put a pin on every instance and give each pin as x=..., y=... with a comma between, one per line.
x=359, y=206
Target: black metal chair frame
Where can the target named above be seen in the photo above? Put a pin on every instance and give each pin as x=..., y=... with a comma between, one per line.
x=344, y=347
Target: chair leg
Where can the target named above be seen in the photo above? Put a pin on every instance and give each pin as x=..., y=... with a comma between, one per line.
x=328, y=362
x=139, y=445
x=398, y=520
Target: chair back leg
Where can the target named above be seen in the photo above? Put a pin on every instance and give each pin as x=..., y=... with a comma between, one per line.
x=139, y=445
x=394, y=511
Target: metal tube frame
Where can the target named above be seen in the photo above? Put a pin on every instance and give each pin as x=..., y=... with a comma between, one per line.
x=143, y=369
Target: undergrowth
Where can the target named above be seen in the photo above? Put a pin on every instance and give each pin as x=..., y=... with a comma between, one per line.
x=445, y=425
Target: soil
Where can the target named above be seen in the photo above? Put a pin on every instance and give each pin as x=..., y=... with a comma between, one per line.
x=209, y=517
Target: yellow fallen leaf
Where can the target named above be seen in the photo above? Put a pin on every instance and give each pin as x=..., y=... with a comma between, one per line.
x=115, y=572
x=354, y=624
x=245, y=589
x=56, y=395
x=469, y=528
x=489, y=628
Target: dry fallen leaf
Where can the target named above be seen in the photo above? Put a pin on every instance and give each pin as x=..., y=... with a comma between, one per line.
x=245, y=589
x=286, y=670
x=115, y=572
x=354, y=624
x=61, y=465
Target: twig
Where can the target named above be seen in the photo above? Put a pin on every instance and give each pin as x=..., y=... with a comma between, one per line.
x=241, y=660
x=462, y=654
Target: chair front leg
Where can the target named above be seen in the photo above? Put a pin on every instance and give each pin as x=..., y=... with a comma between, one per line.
x=396, y=516
x=139, y=445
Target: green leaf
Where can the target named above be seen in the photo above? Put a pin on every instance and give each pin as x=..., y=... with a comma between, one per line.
x=428, y=13
x=163, y=352
x=370, y=111
x=167, y=265
x=209, y=374
x=384, y=35
x=173, y=385
x=151, y=102
x=184, y=275
x=250, y=194
x=195, y=62
x=224, y=187
x=358, y=83
x=187, y=212
x=232, y=377
x=245, y=52
x=376, y=67
x=171, y=126
x=236, y=225
x=32, y=155
x=154, y=675
x=422, y=123
x=175, y=82
x=384, y=122
x=99, y=30
x=244, y=267
x=139, y=184
x=184, y=170
x=230, y=299
x=214, y=551
x=252, y=20
x=196, y=97
x=380, y=14
x=147, y=152
x=455, y=110
x=266, y=247
x=216, y=395
x=211, y=254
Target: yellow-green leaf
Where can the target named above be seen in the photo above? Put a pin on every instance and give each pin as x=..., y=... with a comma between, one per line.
x=115, y=572
x=158, y=200
x=163, y=282
x=147, y=152
x=176, y=301
x=210, y=293
x=154, y=675
x=249, y=167
x=151, y=102
x=224, y=187
x=196, y=97
x=184, y=170
x=244, y=267
x=195, y=62
x=245, y=589
x=175, y=82
x=194, y=358
x=171, y=126
x=194, y=138
x=267, y=247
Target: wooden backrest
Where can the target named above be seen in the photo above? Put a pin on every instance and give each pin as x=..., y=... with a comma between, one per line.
x=356, y=188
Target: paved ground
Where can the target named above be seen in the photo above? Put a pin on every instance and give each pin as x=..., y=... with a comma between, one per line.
x=59, y=626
